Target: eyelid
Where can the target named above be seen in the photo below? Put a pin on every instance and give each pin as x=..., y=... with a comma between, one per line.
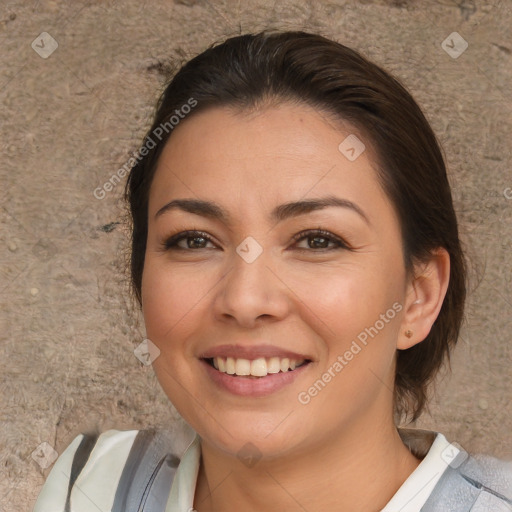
x=170, y=243
x=341, y=243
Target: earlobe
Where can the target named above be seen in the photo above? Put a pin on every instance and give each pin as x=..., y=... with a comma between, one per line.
x=425, y=295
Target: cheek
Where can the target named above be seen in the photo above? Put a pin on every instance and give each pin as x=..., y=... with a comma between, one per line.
x=166, y=298
x=345, y=300
x=176, y=301
x=356, y=314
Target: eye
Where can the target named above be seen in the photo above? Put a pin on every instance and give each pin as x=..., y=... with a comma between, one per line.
x=321, y=239
x=199, y=239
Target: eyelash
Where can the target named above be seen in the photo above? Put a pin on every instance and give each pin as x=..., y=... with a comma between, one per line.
x=171, y=242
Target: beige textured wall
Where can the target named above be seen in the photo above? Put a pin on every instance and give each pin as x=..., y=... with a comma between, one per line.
x=71, y=120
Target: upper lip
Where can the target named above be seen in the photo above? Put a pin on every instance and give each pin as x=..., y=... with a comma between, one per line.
x=251, y=352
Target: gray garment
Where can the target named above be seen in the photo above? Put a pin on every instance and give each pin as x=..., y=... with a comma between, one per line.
x=470, y=483
x=473, y=483
x=148, y=474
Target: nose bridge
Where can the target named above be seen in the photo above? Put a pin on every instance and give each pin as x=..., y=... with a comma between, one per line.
x=250, y=289
x=250, y=270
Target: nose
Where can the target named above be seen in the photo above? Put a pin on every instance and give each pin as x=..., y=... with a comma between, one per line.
x=251, y=292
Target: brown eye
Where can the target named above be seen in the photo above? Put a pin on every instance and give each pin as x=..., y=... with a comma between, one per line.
x=319, y=239
x=198, y=240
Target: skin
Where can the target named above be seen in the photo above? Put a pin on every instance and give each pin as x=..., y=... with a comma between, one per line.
x=341, y=451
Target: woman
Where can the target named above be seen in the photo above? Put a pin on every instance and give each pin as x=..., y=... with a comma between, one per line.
x=296, y=256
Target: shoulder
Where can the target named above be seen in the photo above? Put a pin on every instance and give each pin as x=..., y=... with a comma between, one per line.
x=95, y=462
x=491, y=473
x=478, y=482
x=449, y=478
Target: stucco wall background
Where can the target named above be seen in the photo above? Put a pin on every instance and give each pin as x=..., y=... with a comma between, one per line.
x=71, y=120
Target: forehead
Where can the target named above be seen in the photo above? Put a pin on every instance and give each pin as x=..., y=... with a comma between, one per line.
x=275, y=154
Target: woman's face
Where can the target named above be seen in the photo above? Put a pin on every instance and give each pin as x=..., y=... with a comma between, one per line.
x=246, y=289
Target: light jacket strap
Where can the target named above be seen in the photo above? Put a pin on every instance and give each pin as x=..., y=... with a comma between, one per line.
x=147, y=475
x=80, y=459
x=464, y=489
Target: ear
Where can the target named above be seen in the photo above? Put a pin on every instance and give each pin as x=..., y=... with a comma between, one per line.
x=426, y=290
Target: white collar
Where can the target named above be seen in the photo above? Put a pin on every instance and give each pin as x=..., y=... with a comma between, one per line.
x=415, y=491
x=411, y=496
x=181, y=498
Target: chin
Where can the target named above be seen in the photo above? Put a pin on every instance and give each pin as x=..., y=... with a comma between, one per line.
x=249, y=437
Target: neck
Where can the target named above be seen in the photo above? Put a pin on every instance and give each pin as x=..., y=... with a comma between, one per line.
x=360, y=470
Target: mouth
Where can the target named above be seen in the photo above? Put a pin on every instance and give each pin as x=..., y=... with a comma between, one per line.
x=255, y=368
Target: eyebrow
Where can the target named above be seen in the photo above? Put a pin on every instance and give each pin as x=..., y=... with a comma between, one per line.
x=279, y=213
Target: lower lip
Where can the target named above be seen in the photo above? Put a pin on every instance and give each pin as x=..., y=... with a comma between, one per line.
x=254, y=387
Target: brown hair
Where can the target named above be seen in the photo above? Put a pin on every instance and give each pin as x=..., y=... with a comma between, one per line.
x=251, y=70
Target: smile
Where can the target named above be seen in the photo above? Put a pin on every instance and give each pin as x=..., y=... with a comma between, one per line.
x=260, y=367
x=258, y=377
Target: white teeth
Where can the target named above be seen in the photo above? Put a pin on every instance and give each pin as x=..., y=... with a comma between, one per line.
x=243, y=367
x=260, y=367
x=230, y=365
x=274, y=365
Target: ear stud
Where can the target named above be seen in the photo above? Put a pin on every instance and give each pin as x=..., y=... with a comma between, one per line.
x=408, y=333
